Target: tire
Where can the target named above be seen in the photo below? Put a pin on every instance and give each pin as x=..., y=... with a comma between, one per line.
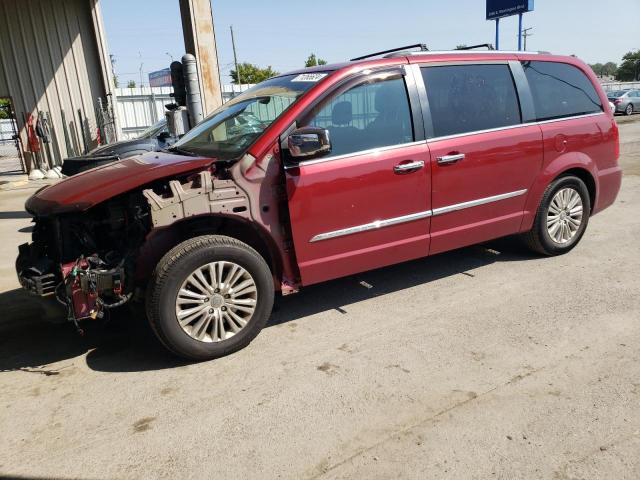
x=539, y=238
x=629, y=109
x=215, y=331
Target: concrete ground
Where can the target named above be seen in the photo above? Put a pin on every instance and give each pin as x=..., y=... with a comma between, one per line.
x=485, y=362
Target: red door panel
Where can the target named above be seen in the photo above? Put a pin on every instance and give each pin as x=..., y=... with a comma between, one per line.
x=358, y=191
x=482, y=196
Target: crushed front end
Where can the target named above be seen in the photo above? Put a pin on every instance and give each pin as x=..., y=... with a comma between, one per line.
x=85, y=260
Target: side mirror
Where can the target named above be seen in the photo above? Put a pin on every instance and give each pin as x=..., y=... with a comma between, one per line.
x=308, y=142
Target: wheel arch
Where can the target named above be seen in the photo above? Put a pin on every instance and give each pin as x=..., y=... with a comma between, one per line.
x=580, y=166
x=161, y=240
x=588, y=179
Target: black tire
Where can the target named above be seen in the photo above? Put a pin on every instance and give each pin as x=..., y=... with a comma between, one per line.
x=538, y=238
x=629, y=109
x=176, y=266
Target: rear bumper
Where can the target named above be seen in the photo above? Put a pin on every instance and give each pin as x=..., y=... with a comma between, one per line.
x=609, y=182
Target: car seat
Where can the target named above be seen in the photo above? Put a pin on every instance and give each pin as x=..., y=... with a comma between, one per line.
x=342, y=135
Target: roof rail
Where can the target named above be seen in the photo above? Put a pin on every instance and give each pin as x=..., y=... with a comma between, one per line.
x=488, y=46
x=422, y=46
x=467, y=52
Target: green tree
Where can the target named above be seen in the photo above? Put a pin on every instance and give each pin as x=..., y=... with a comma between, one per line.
x=629, y=69
x=131, y=84
x=116, y=82
x=313, y=61
x=609, y=68
x=461, y=46
x=597, y=68
x=4, y=108
x=250, y=73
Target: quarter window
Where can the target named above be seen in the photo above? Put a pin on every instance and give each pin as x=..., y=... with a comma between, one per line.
x=468, y=98
x=560, y=90
x=369, y=115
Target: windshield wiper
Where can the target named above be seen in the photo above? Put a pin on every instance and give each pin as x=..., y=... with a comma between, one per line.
x=181, y=151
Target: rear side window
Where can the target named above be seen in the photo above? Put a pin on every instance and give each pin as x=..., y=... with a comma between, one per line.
x=560, y=90
x=468, y=98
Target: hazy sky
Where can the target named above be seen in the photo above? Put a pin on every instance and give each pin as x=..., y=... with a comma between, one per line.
x=282, y=33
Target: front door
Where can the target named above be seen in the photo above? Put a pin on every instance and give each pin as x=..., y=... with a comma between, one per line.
x=483, y=158
x=366, y=204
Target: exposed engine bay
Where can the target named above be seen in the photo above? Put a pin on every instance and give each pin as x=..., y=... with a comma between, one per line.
x=86, y=260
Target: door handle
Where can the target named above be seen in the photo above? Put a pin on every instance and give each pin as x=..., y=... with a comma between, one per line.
x=408, y=167
x=446, y=159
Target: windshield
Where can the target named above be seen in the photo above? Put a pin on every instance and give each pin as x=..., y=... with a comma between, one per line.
x=616, y=93
x=232, y=128
x=154, y=130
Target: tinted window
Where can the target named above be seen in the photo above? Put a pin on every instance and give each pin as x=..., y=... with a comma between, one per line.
x=560, y=90
x=366, y=116
x=467, y=98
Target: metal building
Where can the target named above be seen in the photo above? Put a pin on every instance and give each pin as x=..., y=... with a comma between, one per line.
x=53, y=59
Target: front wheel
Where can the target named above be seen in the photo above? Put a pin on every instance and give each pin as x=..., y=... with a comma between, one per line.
x=562, y=217
x=209, y=296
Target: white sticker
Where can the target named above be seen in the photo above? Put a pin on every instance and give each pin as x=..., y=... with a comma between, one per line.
x=309, y=77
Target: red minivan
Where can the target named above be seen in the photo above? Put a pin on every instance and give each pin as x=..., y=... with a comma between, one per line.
x=322, y=173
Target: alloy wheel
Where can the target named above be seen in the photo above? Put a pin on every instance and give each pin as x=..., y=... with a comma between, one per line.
x=564, y=215
x=216, y=301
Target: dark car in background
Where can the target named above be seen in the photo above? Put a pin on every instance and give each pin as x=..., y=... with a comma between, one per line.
x=153, y=139
x=625, y=101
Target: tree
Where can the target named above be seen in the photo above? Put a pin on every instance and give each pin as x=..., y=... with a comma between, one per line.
x=312, y=61
x=597, y=68
x=609, y=68
x=116, y=82
x=250, y=73
x=131, y=84
x=629, y=69
x=5, y=108
x=461, y=46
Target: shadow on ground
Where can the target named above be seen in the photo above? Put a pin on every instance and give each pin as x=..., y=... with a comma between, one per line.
x=29, y=341
x=14, y=215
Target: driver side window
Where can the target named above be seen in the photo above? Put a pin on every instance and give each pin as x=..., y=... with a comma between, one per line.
x=367, y=116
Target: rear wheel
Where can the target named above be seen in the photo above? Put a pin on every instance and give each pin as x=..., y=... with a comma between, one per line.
x=562, y=217
x=209, y=296
x=629, y=109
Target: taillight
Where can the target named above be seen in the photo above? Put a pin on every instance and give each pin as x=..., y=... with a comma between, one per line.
x=616, y=140
x=617, y=101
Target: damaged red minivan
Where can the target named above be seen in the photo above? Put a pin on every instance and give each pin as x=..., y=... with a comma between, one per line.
x=322, y=173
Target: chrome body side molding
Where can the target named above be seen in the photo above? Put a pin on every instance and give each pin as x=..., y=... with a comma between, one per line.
x=371, y=226
x=475, y=203
x=414, y=216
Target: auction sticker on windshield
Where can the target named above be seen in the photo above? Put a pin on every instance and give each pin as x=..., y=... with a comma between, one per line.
x=309, y=77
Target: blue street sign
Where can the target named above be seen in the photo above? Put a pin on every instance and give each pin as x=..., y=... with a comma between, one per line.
x=505, y=8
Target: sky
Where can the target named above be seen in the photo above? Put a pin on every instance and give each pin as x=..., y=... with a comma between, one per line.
x=282, y=33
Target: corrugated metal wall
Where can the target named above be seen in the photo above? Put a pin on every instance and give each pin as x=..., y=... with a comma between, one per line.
x=52, y=60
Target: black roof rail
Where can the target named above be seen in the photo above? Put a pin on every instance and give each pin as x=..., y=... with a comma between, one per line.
x=488, y=46
x=422, y=46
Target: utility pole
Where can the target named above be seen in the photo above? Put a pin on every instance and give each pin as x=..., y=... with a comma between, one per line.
x=140, y=70
x=235, y=57
x=525, y=34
